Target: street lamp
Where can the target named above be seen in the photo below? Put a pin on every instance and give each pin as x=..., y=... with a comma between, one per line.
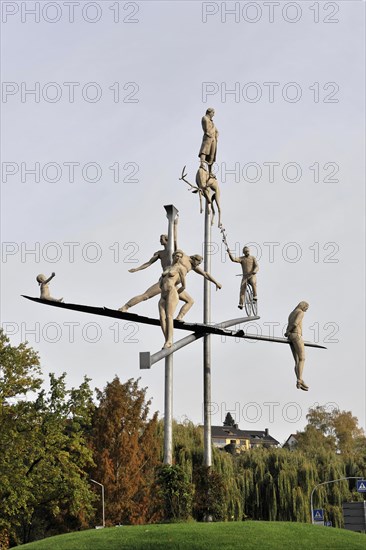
x=324, y=483
x=102, y=486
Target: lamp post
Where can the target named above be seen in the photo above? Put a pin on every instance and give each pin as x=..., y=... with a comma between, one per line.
x=103, y=509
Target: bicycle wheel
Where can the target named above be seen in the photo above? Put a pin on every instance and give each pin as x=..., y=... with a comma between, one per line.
x=255, y=307
x=248, y=300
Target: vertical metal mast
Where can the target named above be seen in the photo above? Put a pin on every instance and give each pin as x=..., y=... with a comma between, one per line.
x=171, y=213
x=207, y=342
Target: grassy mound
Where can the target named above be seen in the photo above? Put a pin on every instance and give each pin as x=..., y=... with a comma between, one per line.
x=214, y=536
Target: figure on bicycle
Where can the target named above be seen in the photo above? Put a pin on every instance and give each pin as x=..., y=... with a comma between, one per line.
x=249, y=267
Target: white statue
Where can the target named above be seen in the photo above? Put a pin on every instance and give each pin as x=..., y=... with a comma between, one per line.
x=172, y=283
x=250, y=267
x=294, y=334
x=208, y=186
x=188, y=263
x=45, y=290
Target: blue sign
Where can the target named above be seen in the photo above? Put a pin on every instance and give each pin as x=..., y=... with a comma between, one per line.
x=318, y=515
x=328, y=524
x=361, y=485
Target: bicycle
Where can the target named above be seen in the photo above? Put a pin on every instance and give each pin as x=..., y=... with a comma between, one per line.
x=250, y=305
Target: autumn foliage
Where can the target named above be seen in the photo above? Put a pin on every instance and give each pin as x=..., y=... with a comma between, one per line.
x=126, y=450
x=54, y=442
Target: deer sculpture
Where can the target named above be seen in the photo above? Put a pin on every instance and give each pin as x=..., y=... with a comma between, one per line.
x=207, y=186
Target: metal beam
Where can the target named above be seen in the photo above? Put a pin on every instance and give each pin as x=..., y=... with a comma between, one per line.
x=147, y=360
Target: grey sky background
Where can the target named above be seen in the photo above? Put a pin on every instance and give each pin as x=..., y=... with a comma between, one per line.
x=168, y=54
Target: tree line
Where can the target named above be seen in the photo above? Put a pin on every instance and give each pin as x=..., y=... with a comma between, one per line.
x=53, y=444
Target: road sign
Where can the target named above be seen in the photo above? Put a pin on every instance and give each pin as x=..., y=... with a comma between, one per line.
x=361, y=485
x=328, y=524
x=318, y=515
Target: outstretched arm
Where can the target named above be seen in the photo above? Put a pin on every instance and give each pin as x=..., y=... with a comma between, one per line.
x=146, y=264
x=232, y=258
x=207, y=276
x=49, y=278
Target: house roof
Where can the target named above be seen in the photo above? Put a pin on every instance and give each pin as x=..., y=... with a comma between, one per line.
x=294, y=436
x=253, y=435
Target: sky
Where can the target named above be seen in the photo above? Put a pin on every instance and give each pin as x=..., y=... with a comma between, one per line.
x=101, y=109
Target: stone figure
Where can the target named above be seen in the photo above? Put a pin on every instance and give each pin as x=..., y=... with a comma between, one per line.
x=208, y=148
x=189, y=263
x=249, y=267
x=208, y=186
x=294, y=334
x=45, y=290
x=172, y=283
x=154, y=290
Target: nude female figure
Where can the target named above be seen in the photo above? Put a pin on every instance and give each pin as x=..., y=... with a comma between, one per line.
x=172, y=284
x=190, y=263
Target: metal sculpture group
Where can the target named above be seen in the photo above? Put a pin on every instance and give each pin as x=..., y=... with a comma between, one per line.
x=171, y=287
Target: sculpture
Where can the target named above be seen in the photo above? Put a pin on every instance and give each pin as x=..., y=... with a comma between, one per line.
x=171, y=278
x=191, y=263
x=154, y=290
x=188, y=263
x=45, y=290
x=249, y=267
x=294, y=334
x=208, y=148
x=208, y=186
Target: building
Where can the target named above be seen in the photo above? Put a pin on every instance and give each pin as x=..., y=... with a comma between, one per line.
x=241, y=440
x=291, y=442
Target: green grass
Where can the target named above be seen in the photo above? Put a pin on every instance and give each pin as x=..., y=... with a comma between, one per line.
x=258, y=535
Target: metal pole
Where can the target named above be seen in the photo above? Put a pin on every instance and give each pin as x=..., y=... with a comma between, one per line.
x=207, y=344
x=325, y=483
x=171, y=213
x=103, y=507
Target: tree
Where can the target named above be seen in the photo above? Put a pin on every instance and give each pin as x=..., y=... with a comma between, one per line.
x=19, y=374
x=175, y=493
x=229, y=420
x=19, y=370
x=126, y=449
x=314, y=441
x=332, y=430
x=43, y=452
x=350, y=437
x=209, y=498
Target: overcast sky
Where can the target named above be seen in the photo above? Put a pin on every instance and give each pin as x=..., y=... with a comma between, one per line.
x=90, y=157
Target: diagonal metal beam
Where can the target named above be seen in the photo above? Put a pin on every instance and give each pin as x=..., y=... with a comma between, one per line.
x=126, y=316
x=147, y=360
x=199, y=329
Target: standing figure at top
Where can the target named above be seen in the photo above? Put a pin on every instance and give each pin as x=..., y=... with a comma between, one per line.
x=249, y=267
x=208, y=149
